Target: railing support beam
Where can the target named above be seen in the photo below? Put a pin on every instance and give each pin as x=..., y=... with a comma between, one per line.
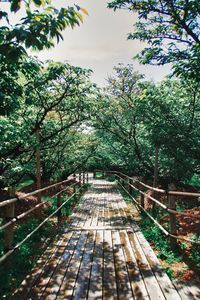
x=59, y=213
x=9, y=214
x=172, y=218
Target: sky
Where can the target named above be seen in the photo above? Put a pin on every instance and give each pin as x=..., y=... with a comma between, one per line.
x=100, y=43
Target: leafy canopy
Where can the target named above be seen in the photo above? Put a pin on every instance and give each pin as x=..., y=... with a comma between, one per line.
x=134, y=116
x=38, y=29
x=172, y=30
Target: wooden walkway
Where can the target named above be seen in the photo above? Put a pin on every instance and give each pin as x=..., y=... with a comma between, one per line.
x=102, y=255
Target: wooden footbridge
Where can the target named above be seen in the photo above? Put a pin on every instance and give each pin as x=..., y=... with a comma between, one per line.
x=101, y=255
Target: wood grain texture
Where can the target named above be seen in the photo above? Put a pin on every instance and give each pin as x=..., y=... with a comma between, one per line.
x=101, y=255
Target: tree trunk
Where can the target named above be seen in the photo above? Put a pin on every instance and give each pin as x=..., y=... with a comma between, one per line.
x=38, y=164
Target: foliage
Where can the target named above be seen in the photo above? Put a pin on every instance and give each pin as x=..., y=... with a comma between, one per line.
x=171, y=29
x=154, y=235
x=25, y=257
x=56, y=99
x=194, y=180
x=195, y=251
x=39, y=27
x=134, y=116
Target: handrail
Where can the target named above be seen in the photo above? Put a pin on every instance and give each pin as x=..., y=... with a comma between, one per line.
x=163, y=206
x=15, y=219
x=167, y=233
x=15, y=199
x=21, y=216
x=121, y=175
x=162, y=191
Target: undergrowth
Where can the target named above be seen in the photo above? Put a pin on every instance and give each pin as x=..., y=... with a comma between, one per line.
x=195, y=251
x=156, y=237
x=15, y=268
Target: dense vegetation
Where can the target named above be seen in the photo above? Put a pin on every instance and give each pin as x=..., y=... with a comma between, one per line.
x=135, y=116
x=54, y=106
x=81, y=126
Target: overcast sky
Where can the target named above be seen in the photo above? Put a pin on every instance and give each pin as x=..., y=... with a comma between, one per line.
x=100, y=42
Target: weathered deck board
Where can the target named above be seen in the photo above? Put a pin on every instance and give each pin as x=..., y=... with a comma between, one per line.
x=101, y=255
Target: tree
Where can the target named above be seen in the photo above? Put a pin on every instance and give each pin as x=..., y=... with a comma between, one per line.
x=38, y=28
x=172, y=30
x=135, y=116
x=118, y=120
x=54, y=99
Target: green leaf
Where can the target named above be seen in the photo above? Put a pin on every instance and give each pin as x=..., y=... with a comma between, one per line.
x=15, y=5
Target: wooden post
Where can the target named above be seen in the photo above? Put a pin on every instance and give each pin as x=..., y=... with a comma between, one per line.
x=74, y=186
x=38, y=163
x=79, y=178
x=155, y=178
x=9, y=214
x=130, y=188
x=87, y=177
x=59, y=213
x=94, y=174
x=141, y=196
x=83, y=177
x=172, y=217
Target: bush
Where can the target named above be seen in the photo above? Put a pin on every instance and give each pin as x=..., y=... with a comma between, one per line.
x=195, y=251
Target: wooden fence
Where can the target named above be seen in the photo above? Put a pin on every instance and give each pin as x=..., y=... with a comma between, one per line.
x=10, y=219
x=129, y=183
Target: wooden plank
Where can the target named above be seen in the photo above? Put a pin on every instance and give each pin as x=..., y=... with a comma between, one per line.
x=95, y=212
x=26, y=285
x=106, y=215
x=116, y=263
x=152, y=286
x=115, y=219
x=100, y=216
x=54, y=283
x=136, y=280
x=111, y=211
x=108, y=209
x=194, y=289
x=44, y=260
x=83, y=277
x=124, y=290
x=69, y=280
x=89, y=213
x=83, y=215
x=77, y=214
x=105, y=195
x=41, y=282
x=165, y=283
x=96, y=277
x=109, y=280
x=184, y=291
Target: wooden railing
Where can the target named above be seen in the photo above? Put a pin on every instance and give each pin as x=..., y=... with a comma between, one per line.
x=10, y=218
x=170, y=208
